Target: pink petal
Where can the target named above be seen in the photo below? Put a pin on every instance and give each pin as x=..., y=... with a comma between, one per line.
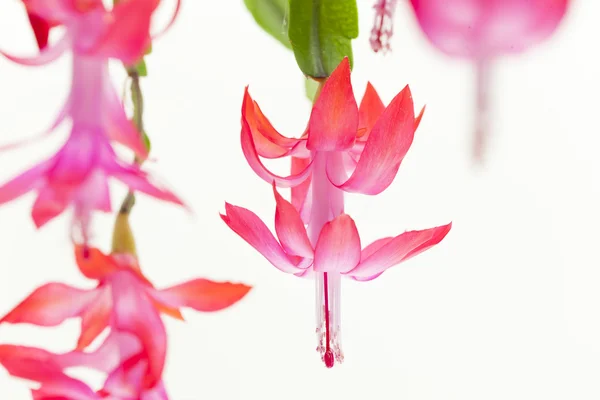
x=23, y=183
x=133, y=313
x=338, y=246
x=127, y=36
x=371, y=108
x=49, y=204
x=290, y=228
x=202, y=295
x=301, y=194
x=50, y=305
x=93, y=263
x=47, y=55
x=334, y=117
x=387, y=145
x=95, y=319
x=119, y=128
x=126, y=381
x=386, y=253
x=267, y=141
x=249, y=150
x=250, y=228
x=140, y=181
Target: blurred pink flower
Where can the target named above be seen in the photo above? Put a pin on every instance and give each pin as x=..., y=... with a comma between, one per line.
x=78, y=174
x=123, y=301
x=366, y=143
x=120, y=356
x=481, y=30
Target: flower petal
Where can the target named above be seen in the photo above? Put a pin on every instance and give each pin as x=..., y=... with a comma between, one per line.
x=387, y=145
x=267, y=141
x=23, y=183
x=334, y=118
x=249, y=150
x=49, y=204
x=250, y=228
x=41, y=30
x=290, y=228
x=50, y=305
x=386, y=253
x=141, y=181
x=338, y=246
x=119, y=128
x=133, y=313
x=93, y=263
x=301, y=194
x=127, y=36
x=370, y=109
x=202, y=294
x=45, y=56
x=95, y=319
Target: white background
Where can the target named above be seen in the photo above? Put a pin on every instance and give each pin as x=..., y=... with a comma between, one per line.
x=507, y=307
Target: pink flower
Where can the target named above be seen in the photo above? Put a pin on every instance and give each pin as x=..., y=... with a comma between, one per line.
x=78, y=174
x=124, y=301
x=119, y=356
x=368, y=143
x=481, y=30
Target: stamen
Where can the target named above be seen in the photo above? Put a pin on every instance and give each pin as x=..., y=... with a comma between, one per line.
x=383, y=26
x=328, y=318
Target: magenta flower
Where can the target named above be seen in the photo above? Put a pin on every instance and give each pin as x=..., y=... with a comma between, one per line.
x=120, y=356
x=481, y=30
x=123, y=301
x=78, y=174
x=367, y=144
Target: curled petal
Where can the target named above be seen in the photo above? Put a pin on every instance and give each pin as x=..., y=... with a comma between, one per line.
x=49, y=204
x=370, y=109
x=267, y=141
x=290, y=228
x=51, y=305
x=249, y=150
x=250, y=228
x=334, y=117
x=338, y=246
x=387, y=145
x=168, y=26
x=47, y=55
x=202, y=295
x=41, y=30
x=386, y=253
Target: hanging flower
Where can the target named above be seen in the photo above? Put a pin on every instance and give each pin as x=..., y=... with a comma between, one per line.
x=481, y=30
x=78, y=174
x=345, y=148
x=120, y=356
x=123, y=301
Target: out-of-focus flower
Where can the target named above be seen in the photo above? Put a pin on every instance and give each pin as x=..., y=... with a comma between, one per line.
x=120, y=356
x=124, y=301
x=345, y=148
x=481, y=30
x=78, y=173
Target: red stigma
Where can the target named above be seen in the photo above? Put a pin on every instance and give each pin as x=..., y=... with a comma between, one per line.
x=328, y=358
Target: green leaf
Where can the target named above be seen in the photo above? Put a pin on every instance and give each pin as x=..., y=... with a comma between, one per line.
x=321, y=32
x=311, y=86
x=271, y=15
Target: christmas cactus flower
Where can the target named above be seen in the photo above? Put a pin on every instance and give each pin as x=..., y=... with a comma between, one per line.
x=78, y=174
x=345, y=148
x=123, y=301
x=481, y=30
